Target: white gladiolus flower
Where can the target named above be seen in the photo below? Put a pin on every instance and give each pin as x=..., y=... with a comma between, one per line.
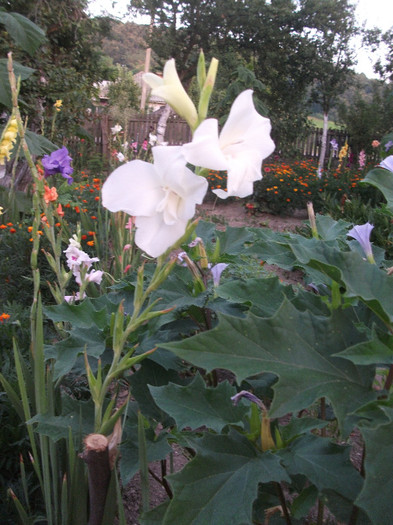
x=172, y=91
x=239, y=149
x=161, y=196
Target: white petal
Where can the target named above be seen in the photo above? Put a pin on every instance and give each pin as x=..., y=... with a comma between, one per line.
x=204, y=150
x=154, y=81
x=165, y=157
x=134, y=187
x=154, y=236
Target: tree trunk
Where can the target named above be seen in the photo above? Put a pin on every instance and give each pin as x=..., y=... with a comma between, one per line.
x=161, y=125
x=322, y=155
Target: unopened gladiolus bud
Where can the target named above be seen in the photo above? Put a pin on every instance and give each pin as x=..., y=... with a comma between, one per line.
x=207, y=90
x=201, y=70
x=171, y=90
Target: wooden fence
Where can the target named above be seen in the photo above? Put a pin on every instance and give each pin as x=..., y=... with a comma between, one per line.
x=178, y=132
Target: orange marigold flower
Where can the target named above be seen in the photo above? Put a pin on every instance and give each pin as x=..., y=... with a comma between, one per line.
x=4, y=317
x=3, y=226
x=96, y=198
x=30, y=229
x=58, y=224
x=9, y=224
x=96, y=180
x=77, y=209
x=12, y=230
x=93, y=217
x=90, y=243
x=91, y=233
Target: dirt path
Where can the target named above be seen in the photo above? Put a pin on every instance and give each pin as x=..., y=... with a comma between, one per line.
x=234, y=213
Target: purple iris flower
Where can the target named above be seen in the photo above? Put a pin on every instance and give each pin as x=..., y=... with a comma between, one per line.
x=362, y=234
x=58, y=162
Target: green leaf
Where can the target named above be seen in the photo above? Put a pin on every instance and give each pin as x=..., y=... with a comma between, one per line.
x=39, y=145
x=272, y=247
x=300, y=425
x=264, y=295
x=23, y=31
x=303, y=503
x=232, y=240
x=383, y=180
x=221, y=481
x=325, y=464
x=150, y=373
x=157, y=447
x=302, y=358
x=329, y=229
x=361, y=279
x=5, y=91
x=154, y=516
x=376, y=497
x=196, y=405
x=370, y=352
x=88, y=321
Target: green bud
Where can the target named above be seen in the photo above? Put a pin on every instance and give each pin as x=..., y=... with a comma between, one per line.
x=201, y=70
x=207, y=90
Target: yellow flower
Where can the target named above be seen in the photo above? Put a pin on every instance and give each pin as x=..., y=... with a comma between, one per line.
x=8, y=139
x=58, y=104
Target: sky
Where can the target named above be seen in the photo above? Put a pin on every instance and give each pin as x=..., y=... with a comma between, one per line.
x=373, y=13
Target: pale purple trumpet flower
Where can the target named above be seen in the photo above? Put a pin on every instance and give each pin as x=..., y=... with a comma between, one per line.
x=362, y=234
x=387, y=163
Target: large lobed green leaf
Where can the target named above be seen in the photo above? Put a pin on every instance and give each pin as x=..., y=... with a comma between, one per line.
x=296, y=346
x=88, y=322
x=220, y=484
x=196, y=405
x=361, y=279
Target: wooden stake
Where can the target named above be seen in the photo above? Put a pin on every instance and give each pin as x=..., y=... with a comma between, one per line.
x=96, y=456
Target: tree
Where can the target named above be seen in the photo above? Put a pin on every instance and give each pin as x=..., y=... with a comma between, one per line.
x=66, y=66
x=288, y=44
x=333, y=27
